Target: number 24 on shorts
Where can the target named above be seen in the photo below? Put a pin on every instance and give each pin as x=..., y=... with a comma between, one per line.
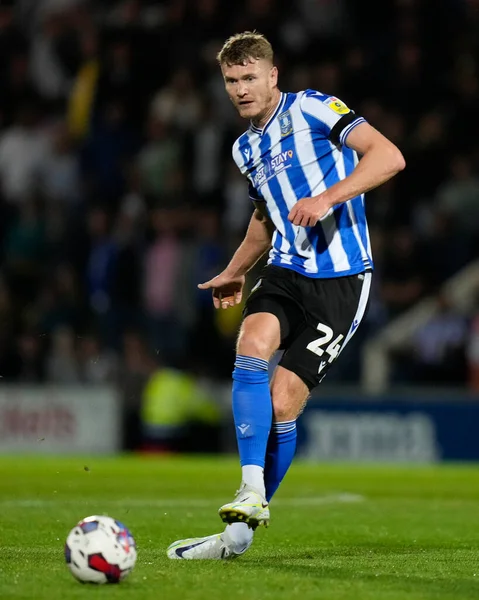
x=333, y=348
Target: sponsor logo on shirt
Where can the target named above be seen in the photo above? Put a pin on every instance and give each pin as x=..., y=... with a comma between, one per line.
x=272, y=166
x=337, y=106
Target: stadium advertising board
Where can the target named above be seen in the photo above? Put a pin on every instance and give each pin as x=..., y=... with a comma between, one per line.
x=44, y=420
x=390, y=429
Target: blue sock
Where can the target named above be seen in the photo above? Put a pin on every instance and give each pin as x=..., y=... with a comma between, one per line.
x=279, y=455
x=252, y=409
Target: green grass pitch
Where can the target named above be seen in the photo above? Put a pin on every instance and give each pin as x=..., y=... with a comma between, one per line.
x=337, y=531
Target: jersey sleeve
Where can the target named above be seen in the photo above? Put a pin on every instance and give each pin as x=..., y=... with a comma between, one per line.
x=329, y=115
x=242, y=154
x=237, y=155
x=254, y=195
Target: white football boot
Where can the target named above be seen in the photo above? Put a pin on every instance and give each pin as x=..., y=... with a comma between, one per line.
x=211, y=547
x=248, y=507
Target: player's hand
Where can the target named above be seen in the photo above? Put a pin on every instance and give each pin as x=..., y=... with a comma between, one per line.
x=227, y=290
x=308, y=211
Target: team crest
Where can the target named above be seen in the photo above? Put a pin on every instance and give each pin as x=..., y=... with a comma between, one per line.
x=336, y=105
x=285, y=123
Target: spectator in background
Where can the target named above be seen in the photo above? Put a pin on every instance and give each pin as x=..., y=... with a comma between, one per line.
x=409, y=79
x=97, y=364
x=162, y=269
x=25, y=251
x=428, y=150
x=23, y=147
x=159, y=164
x=458, y=198
x=438, y=347
x=208, y=258
x=403, y=276
x=178, y=104
x=59, y=172
x=12, y=41
x=126, y=294
x=17, y=88
x=139, y=365
x=466, y=95
x=444, y=248
x=101, y=270
x=324, y=19
x=207, y=148
x=62, y=364
x=178, y=414
x=30, y=357
x=109, y=147
x=118, y=80
x=48, y=73
x=60, y=303
x=81, y=101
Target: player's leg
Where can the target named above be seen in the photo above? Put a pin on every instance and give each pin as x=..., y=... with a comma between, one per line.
x=277, y=295
x=259, y=338
x=289, y=395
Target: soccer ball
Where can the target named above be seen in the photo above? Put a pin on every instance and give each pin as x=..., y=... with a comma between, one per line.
x=100, y=549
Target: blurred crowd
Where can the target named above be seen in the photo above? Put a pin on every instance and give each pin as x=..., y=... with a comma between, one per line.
x=118, y=193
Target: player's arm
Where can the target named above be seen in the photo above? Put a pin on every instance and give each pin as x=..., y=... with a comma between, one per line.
x=381, y=159
x=227, y=287
x=257, y=241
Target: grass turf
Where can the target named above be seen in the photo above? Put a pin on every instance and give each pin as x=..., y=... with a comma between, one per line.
x=337, y=531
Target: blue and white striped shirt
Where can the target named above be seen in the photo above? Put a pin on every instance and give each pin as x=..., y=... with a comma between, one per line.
x=300, y=153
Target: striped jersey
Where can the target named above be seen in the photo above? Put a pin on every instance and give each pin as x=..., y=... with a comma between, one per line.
x=299, y=153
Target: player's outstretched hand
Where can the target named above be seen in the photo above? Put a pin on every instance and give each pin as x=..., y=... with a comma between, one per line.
x=308, y=211
x=227, y=290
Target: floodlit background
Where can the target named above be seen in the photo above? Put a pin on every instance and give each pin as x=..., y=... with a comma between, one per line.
x=118, y=194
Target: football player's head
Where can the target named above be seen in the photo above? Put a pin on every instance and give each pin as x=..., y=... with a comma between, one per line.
x=250, y=77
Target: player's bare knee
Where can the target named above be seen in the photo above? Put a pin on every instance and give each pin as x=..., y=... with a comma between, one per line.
x=252, y=344
x=259, y=336
x=289, y=394
x=284, y=410
x=287, y=406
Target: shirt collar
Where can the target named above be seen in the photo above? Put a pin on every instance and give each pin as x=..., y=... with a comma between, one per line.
x=279, y=106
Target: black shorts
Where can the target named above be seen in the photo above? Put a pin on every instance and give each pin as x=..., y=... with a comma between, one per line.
x=317, y=316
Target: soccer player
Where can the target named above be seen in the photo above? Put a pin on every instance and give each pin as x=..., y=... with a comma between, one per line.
x=300, y=156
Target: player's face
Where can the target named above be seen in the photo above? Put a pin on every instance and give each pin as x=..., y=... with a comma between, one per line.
x=252, y=88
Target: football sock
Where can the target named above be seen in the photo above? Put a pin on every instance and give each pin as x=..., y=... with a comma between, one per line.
x=238, y=536
x=253, y=414
x=279, y=455
x=254, y=476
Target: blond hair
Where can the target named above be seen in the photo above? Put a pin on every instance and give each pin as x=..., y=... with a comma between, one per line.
x=240, y=48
